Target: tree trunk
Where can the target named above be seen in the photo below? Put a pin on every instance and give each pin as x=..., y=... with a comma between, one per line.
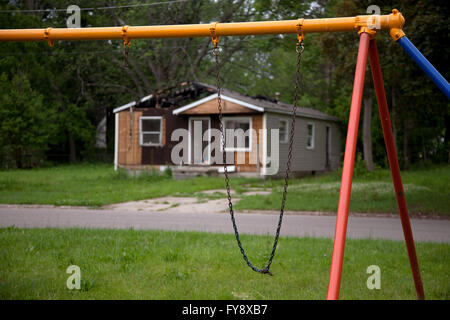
x=18, y=158
x=424, y=150
x=367, y=133
x=73, y=151
x=30, y=4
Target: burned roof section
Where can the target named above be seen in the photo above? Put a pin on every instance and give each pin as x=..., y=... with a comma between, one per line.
x=190, y=91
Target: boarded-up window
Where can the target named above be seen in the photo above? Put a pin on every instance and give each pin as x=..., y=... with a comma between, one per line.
x=150, y=131
x=310, y=136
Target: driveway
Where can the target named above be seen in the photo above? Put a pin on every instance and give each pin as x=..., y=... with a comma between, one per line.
x=299, y=225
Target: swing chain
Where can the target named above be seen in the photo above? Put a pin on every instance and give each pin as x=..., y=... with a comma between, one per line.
x=265, y=270
x=300, y=47
x=125, y=55
x=126, y=45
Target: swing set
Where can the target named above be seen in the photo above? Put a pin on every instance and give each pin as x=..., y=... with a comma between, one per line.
x=366, y=26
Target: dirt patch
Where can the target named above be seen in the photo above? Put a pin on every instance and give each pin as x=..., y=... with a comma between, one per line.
x=257, y=192
x=173, y=204
x=250, y=192
x=209, y=201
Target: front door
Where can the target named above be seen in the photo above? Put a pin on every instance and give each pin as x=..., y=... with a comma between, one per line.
x=199, y=138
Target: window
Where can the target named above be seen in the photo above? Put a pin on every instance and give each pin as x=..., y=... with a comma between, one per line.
x=284, y=131
x=310, y=136
x=238, y=128
x=150, y=131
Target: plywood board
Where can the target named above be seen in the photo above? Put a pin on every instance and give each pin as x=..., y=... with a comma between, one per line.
x=247, y=161
x=130, y=152
x=211, y=107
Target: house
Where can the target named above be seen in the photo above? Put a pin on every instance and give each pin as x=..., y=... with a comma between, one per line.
x=178, y=127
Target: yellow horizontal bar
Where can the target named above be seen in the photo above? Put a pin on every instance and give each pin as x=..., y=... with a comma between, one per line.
x=394, y=20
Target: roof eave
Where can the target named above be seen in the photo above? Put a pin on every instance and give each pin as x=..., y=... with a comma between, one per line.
x=304, y=115
x=213, y=96
x=131, y=104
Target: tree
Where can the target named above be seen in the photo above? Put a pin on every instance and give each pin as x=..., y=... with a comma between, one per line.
x=24, y=127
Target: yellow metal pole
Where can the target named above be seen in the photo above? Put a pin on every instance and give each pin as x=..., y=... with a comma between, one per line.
x=393, y=21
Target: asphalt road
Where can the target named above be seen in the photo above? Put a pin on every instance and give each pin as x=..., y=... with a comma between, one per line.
x=293, y=225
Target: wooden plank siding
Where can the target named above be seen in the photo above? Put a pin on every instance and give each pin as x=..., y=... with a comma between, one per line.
x=210, y=107
x=161, y=155
x=130, y=153
x=251, y=157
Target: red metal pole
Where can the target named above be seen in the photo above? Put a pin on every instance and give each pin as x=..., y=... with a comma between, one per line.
x=347, y=172
x=393, y=162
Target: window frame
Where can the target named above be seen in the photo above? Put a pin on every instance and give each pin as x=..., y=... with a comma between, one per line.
x=250, y=140
x=313, y=135
x=285, y=139
x=141, y=132
x=191, y=135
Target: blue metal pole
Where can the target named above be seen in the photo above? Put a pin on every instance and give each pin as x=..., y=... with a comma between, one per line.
x=426, y=66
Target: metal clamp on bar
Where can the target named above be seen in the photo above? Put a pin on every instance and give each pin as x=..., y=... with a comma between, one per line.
x=396, y=33
x=367, y=24
x=126, y=40
x=47, y=37
x=370, y=31
x=300, y=36
x=214, y=37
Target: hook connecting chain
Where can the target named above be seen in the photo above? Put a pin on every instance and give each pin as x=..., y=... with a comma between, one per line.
x=126, y=45
x=300, y=37
x=214, y=39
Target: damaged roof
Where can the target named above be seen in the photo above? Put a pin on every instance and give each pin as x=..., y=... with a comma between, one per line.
x=188, y=94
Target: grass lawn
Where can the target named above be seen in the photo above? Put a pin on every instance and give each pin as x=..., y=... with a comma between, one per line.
x=93, y=185
x=427, y=190
x=129, y=264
